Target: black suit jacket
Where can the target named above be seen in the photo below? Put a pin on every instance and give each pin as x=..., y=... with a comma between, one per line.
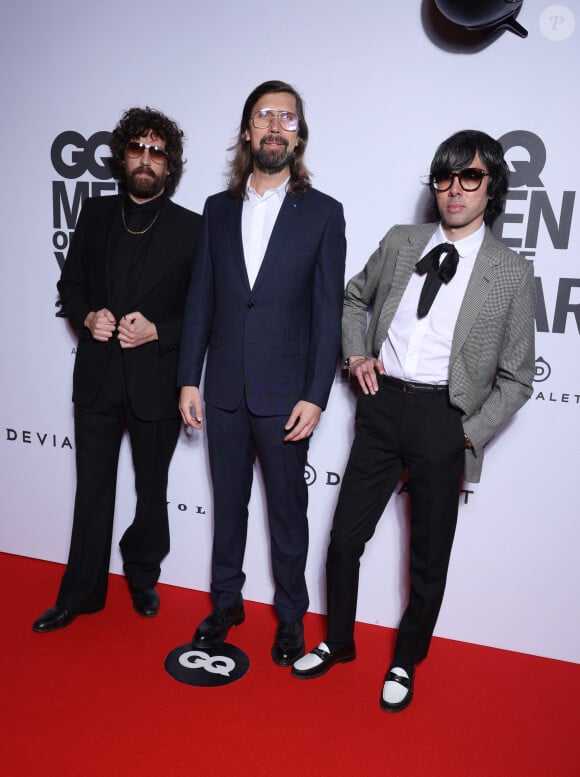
x=150, y=370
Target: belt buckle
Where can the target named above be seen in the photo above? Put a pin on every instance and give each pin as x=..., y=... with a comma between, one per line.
x=408, y=388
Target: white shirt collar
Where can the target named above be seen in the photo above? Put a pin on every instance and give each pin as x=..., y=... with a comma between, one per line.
x=466, y=245
x=279, y=190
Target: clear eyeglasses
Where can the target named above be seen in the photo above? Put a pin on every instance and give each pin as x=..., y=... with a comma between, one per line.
x=263, y=118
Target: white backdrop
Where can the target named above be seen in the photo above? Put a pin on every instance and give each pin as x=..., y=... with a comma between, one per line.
x=384, y=83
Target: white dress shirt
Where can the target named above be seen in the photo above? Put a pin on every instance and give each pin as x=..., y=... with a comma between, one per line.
x=259, y=214
x=418, y=349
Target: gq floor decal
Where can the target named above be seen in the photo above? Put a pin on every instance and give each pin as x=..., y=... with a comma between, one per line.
x=215, y=666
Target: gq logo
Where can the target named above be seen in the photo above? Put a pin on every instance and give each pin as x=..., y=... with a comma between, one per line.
x=526, y=186
x=533, y=206
x=197, y=659
x=74, y=156
x=219, y=665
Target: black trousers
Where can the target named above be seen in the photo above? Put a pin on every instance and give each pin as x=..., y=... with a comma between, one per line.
x=98, y=433
x=398, y=429
x=234, y=438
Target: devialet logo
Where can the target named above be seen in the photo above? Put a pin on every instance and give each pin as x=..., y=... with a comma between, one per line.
x=542, y=373
x=39, y=439
x=310, y=476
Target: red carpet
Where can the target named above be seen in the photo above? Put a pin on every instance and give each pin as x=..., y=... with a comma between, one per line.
x=94, y=699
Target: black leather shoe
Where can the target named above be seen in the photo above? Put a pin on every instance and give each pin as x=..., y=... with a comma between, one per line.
x=406, y=682
x=214, y=629
x=289, y=643
x=320, y=660
x=145, y=601
x=52, y=619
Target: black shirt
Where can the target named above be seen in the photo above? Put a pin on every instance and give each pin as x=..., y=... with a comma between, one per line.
x=130, y=241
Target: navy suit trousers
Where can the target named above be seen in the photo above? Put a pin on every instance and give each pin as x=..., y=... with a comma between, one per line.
x=234, y=439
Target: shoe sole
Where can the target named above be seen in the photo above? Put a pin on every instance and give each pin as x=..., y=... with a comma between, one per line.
x=311, y=674
x=143, y=614
x=402, y=705
x=283, y=662
x=54, y=628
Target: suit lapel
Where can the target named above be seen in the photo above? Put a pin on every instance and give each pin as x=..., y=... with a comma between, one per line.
x=480, y=283
x=284, y=226
x=234, y=207
x=408, y=255
x=107, y=236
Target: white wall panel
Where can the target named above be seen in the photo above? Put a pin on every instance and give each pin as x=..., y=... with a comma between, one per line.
x=382, y=89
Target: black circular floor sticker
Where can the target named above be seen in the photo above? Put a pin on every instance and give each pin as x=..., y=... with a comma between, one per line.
x=214, y=666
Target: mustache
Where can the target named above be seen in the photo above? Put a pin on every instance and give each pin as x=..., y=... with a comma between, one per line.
x=274, y=139
x=143, y=169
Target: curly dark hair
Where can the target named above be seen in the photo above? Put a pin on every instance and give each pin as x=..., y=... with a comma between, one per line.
x=139, y=122
x=242, y=163
x=458, y=151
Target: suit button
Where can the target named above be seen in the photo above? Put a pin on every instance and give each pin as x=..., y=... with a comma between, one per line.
x=250, y=305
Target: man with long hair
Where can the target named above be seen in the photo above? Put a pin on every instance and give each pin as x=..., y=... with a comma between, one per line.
x=446, y=359
x=123, y=288
x=265, y=301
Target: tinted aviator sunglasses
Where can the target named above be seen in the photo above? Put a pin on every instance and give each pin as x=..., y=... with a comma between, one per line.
x=469, y=178
x=135, y=149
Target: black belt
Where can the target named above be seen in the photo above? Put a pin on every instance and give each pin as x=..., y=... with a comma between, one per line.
x=409, y=386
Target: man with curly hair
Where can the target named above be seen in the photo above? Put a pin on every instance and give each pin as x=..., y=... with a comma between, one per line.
x=123, y=288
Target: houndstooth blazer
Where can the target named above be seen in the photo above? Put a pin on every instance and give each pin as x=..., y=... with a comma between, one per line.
x=492, y=353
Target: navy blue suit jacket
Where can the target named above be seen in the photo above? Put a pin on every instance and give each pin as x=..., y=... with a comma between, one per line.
x=279, y=341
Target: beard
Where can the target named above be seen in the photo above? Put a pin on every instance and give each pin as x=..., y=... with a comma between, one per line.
x=272, y=160
x=144, y=188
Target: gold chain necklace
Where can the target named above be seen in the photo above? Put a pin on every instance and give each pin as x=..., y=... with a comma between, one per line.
x=138, y=231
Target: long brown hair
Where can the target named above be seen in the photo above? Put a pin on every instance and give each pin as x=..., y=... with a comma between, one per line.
x=241, y=165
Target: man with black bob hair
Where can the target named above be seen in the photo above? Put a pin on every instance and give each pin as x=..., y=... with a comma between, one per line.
x=446, y=360
x=123, y=287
